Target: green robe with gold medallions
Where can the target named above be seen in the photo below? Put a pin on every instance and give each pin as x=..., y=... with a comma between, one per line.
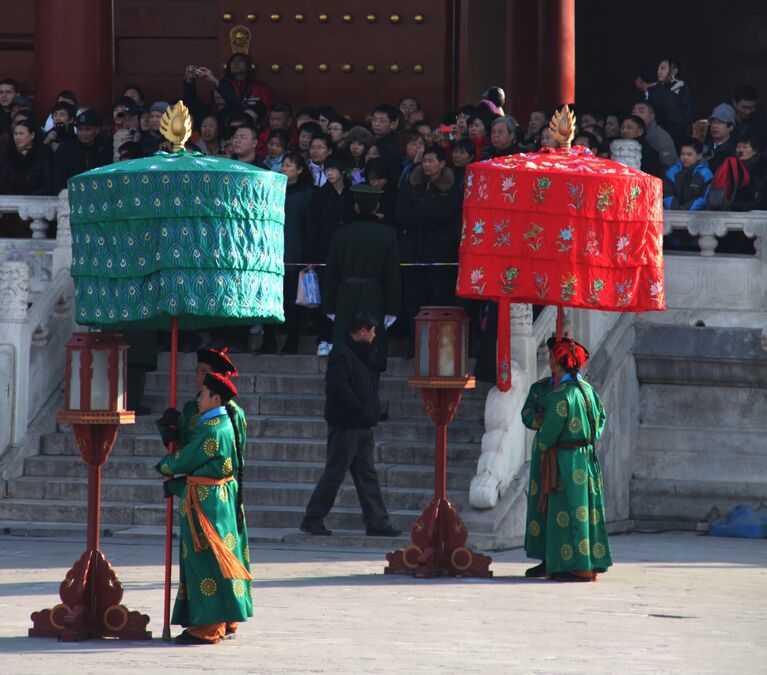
x=204, y=595
x=571, y=535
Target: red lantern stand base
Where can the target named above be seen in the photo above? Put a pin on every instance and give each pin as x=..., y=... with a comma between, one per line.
x=91, y=592
x=438, y=538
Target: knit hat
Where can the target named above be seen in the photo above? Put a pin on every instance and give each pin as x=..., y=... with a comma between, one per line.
x=159, y=106
x=724, y=112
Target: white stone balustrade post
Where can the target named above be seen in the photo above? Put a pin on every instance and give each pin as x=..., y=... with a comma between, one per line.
x=62, y=254
x=14, y=331
x=40, y=213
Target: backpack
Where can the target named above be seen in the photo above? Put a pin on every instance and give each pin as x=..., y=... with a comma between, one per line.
x=730, y=177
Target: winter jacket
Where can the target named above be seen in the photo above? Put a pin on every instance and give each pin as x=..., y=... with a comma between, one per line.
x=25, y=174
x=673, y=106
x=73, y=157
x=752, y=196
x=686, y=189
x=428, y=216
x=327, y=210
x=350, y=387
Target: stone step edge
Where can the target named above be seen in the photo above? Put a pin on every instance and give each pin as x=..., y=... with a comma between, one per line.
x=718, y=429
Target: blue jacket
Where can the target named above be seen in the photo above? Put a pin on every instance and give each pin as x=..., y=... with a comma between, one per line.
x=686, y=189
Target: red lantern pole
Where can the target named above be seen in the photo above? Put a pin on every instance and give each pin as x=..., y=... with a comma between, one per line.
x=169, y=501
x=438, y=538
x=91, y=592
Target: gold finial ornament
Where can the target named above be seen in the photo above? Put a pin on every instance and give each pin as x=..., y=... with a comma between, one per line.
x=347, y=67
x=395, y=18
x=347, y=18
x=276, y=17
x=323, y=67
x=370, y=68
x=299, y=67
x=300, y=18
x=251, y=17
x=239, y=39
x=418, y=68
x=562, y=126
x=324, y=18
x=275, y=67
x=227, y=16
x=176, y=125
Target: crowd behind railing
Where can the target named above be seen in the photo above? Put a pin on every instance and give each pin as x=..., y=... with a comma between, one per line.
x=417, y=158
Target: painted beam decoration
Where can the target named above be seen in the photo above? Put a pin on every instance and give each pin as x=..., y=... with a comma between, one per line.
x=561, y=227
x=177, y=234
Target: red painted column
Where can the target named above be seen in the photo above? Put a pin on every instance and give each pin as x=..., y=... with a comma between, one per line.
x=522, y=59
x=556, y=52
x=74, y=49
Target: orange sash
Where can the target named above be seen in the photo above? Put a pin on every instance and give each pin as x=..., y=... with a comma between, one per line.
x=231, y=567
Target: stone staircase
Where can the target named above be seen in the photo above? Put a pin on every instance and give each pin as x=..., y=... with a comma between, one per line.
x=703, y=422
x=283, y=397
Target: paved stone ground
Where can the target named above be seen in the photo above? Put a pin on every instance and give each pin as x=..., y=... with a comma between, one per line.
x=673, y=603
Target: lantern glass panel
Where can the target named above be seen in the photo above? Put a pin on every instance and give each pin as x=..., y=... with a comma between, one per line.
x=423, y=349
x=74, y=379
x=446, y=349
x=121, y=402
x=100, y=380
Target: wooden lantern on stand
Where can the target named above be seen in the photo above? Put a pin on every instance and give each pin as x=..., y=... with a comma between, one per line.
x=96, y=394
x=438, y=538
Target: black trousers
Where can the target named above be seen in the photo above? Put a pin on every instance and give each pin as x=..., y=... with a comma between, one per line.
x=349, y=450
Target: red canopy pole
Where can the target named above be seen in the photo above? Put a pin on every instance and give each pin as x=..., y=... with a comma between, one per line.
x=169, y=501
x=556, y=52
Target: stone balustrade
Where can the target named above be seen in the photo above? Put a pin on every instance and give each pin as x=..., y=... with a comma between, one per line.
x=40, y=211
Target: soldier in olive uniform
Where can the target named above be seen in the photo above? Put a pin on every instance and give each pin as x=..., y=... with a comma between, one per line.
x=362, y=273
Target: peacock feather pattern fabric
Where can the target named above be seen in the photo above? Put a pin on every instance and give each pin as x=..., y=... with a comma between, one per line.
x=177, y=234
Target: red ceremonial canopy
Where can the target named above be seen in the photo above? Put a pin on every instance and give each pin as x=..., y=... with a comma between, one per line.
x=560, y=227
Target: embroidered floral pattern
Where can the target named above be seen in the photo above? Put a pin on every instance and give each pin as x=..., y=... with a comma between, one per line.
x=507, y=280
x=503, y=372
x=502, y=234
x=478, y=232
x=656, y=293
x=540, y=187
x=604, y=197
x=534, y=237
x=622, y=247
x=565, y=240
x=568, y=287
x=596, y=288
x=592, y=243
x=631, y=202
x=476, y=277
x=623, y=291
x=541, y=282
x=507, y=189
x=575, y=194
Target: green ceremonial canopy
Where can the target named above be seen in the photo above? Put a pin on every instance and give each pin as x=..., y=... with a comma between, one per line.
x=177, y=234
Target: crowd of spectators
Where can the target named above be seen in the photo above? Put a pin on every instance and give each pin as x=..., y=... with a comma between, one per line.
x=416, y=157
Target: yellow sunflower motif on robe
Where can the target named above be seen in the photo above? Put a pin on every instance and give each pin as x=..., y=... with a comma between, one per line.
x=184, y=550
x=208, y=586
x=181, y=595
x=246, y=555
x=598, y=550
x=230, y=541
x=579, y=476
x=563, y=519
x=595, y=517
x=535, y=528
x=562, y=408
x=182, y=508
x=583, y=547
x=223, y=494
x=202, y=492
x=574, y=425
x=210, y=447
x=226, y=467
x=566, y=552
x=581, y=514
x=533, y=488
x=238, y=586
x=213, y=421
x=193, y=420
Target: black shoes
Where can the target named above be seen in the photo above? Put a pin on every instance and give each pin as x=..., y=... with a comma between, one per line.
x=537, y=572
x=387, y=530
x=316, y=528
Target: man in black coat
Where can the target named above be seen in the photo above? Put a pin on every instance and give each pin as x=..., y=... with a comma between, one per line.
x=352, y=409
x=87, y=150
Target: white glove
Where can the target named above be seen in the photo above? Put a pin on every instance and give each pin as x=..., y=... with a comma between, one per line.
x=389, y=320
x=332, y=317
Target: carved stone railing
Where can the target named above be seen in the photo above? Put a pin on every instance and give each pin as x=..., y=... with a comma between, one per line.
x=37, y=315
x=716, y=288
x=40, y=211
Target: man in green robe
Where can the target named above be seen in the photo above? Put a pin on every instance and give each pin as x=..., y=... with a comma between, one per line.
x=362, y=273
x=178, y=426
x=214, y=592
x=565, y=512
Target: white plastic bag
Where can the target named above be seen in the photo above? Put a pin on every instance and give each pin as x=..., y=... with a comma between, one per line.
x=308, y=294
